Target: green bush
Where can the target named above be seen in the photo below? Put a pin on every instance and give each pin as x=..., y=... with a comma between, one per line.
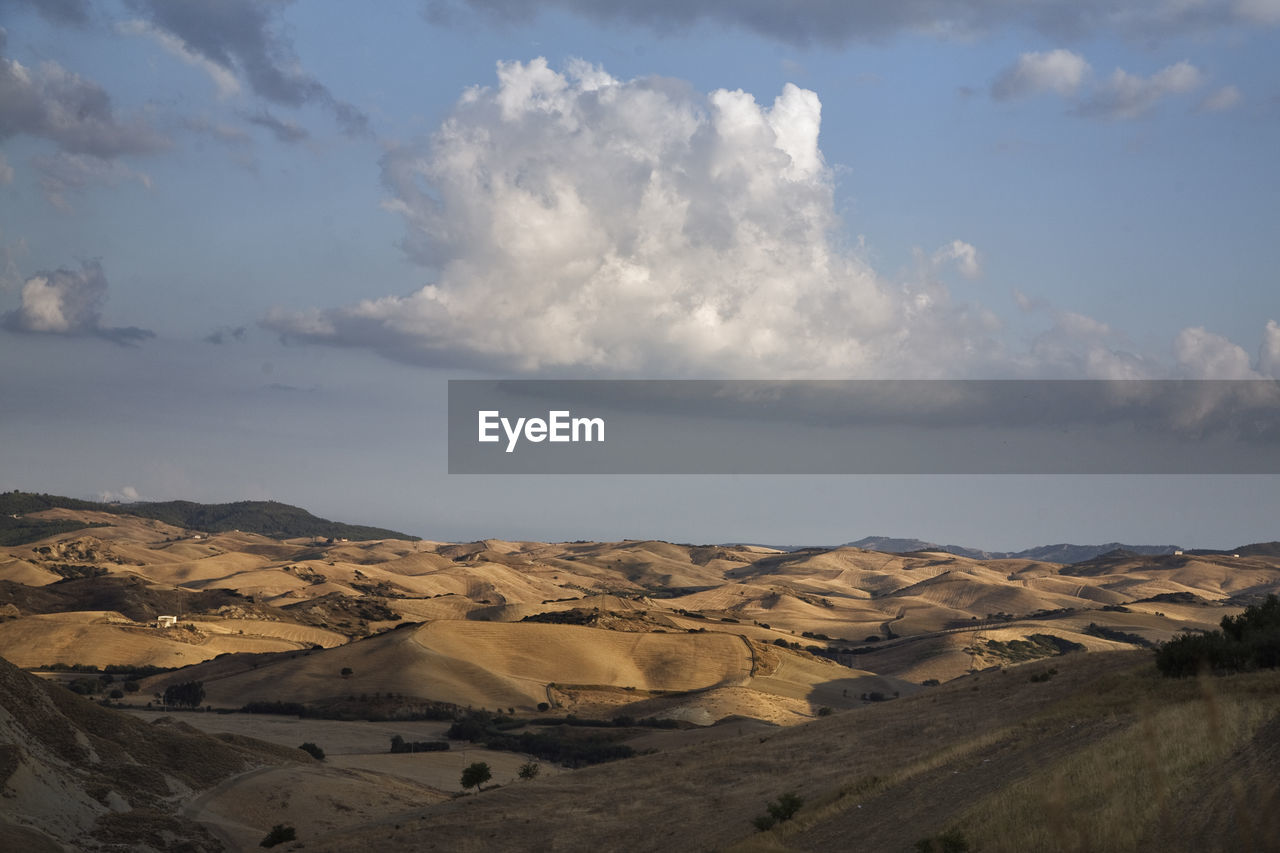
x=316, y=752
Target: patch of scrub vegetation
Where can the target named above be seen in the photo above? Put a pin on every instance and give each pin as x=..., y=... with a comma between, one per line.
x=24, y=531
x=1034, y=647
x=1245, y=642
x=400, y=745
x=570, y=746
x=279, y=834
x=375, y=708
x=783, y=809
x=1105, y=633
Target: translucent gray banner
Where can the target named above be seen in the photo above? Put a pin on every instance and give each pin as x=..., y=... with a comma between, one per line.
x=863, y=427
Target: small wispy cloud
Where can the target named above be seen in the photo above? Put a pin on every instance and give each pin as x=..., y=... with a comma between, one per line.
x=1060, y=71
x=284, y=130
x=223, y=78
x=226, y=334
x=1122, y=95
x=1221, y=100
x=1125, y=96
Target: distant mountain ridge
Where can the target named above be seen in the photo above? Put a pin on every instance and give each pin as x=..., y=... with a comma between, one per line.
x=268, y=518
x=1060, y=553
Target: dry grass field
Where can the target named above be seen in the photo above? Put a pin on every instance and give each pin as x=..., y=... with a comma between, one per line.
x=1105, y=755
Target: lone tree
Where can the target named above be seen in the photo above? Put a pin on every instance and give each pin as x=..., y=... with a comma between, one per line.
x=476, y=775
x=529, y=770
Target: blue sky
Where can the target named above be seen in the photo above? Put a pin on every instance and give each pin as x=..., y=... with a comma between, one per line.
x=243, y=245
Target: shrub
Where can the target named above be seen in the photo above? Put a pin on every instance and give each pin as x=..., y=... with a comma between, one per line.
x=347, y=672
x=85, y=686
x=543, y=707
x=316, y=752
x=279, y=834
x=763, y=822
x=951, y=841
x=529, y=770
x=824, y=711
x=784, y=808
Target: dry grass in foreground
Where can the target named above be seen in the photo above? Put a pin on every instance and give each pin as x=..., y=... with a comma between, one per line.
x=1103, y=755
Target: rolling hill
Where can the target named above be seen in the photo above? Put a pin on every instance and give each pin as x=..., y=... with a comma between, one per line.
x=892, y=692
x=269, y=518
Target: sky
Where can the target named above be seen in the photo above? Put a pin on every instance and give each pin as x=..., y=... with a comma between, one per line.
x=244, y=244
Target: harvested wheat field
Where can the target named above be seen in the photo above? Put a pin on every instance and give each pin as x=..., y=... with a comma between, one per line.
x=101, y=639
x=495, y=665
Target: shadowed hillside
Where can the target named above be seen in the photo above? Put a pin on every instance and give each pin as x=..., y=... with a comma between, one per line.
x=1101, y=755
x=76, y=774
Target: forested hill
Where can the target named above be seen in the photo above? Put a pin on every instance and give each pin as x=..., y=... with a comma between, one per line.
x=269, y=518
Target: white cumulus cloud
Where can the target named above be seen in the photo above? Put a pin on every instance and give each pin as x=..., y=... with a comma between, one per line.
x=966, y=258
x=68, y=302
x=1203, y=355
x=571, y=220
x=567, y=222
x=1269, y=352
